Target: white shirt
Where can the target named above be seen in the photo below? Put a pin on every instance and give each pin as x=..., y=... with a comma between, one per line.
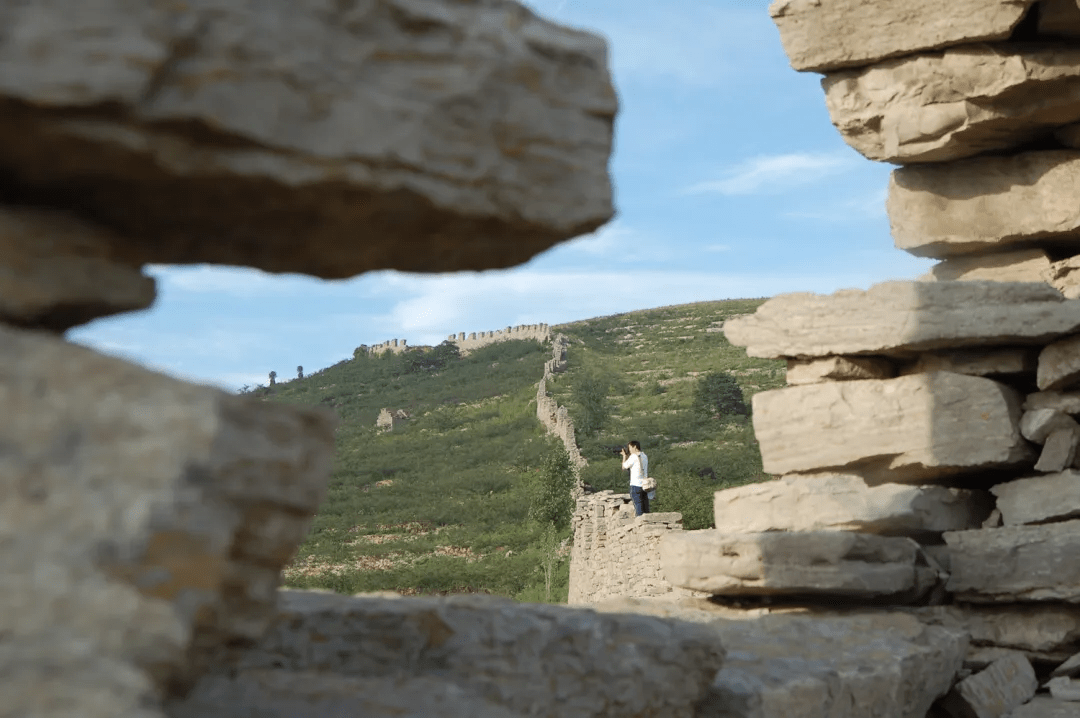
x=639, y=467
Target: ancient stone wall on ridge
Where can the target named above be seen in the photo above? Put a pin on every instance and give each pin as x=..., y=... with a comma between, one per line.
x=617, y=554
x=556, y=419
x=474, y=340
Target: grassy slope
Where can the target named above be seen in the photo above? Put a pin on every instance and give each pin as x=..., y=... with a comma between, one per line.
x=440, y=503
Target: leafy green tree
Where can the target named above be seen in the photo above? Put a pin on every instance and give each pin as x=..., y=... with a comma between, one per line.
x=550, y=498
x=421, y=360
x=589, y=393
x=717, y=395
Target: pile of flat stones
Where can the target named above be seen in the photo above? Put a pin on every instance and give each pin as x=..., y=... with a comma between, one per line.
x=926, y=443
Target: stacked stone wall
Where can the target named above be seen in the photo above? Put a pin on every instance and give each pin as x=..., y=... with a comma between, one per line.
x=474, y=340
x=556, y=419
x=617, y=554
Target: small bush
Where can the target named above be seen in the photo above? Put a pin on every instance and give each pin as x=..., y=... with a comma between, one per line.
x=550, y=500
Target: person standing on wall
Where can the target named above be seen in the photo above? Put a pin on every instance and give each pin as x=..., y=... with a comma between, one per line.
x=638, y=463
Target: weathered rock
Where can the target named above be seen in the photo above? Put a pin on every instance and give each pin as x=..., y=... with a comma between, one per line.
x=1026, y=265
x=144, y=524
x=1042, y=498
x=535, y=660
x=853, y=666
x=1059, y=365
x=977, y=362
x=988, y=204
x=1005, y=684
x=1059, y=451
x=905, y=430
x=1063, y=688
x=1068, y=403
x=1052, y=629
x=1059, y=18
x=834, y=563
x=846, y=503
x=1064, y=277
x=830, y=34
x=57, y=272
x=1016, y=563
x=815, y=371
x=901, y=318
x=1038, y=424
x=423, y=136
x=965, y=101
x=308, y=694
x=1046, y=707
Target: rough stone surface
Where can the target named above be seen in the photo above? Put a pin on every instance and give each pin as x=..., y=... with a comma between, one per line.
x=822, y=35
x=1016, y=563
x=815, y=371
x=1052, y=629
x=57, y=272
x=309, y=694
x=886, y=665
x=1063, y=688
x=906, y=430
x=328, y=139
x=1046, y=707
x=144, y=524
x=1042, y=498
x=615, y=553
x=1066, y=402
x=901, y=318
x=988, y=204
x=535, y=660
x=1006, y=684
x=1037, y=425
x=977, y=362
x=965, y=101
x=1059, y=451
x=1027, y=265
x=1064, y=277
x=834, y=563
x=846, y=503
x=1059, y=365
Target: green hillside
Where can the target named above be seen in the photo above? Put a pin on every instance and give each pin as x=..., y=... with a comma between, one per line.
x=441, y=503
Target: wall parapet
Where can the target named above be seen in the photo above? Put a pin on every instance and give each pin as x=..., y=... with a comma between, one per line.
x=617, y=554
x=475, y=340
x=556, y=419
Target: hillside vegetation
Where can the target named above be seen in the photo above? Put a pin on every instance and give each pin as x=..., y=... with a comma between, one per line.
x=441, y=503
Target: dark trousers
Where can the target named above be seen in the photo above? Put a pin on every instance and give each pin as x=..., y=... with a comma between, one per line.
x=640, y=498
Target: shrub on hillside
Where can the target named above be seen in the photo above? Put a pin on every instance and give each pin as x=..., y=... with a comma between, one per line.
x=550, y=499
x=717, y=395
x=589, y=394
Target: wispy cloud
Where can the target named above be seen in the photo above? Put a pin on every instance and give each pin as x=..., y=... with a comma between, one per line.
x=236, y=281
x=859, y=208
x=771, y=173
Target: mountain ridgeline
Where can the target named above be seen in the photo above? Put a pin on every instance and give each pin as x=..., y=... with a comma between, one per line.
x=469, y=494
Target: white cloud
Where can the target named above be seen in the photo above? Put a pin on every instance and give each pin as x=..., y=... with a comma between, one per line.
x=862, y=207
x=767, y=173
x=237, y=281
x=611, y=239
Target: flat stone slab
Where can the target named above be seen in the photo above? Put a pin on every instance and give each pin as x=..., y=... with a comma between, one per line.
x=144, y=523
x=814, y=666
x=831, y=34
x=1053, y=497
x=532, y=659
x=1064, y=276
x=1037, y=425
x=57, y=272
x=833, y=563
x=1016, y=563
x=418, y=136
x=904, y=317
x=845, y=503
x=1027, y=265
x=911, y=429
x=988, y=204
x=1049, y=629
x=977, y=362
x=962, y=102
x=1066, y=402
x=814, y=371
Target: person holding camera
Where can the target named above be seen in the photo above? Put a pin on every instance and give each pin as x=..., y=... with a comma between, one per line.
x=634, y=458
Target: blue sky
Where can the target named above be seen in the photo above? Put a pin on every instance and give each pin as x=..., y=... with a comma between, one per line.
x=730, y=182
